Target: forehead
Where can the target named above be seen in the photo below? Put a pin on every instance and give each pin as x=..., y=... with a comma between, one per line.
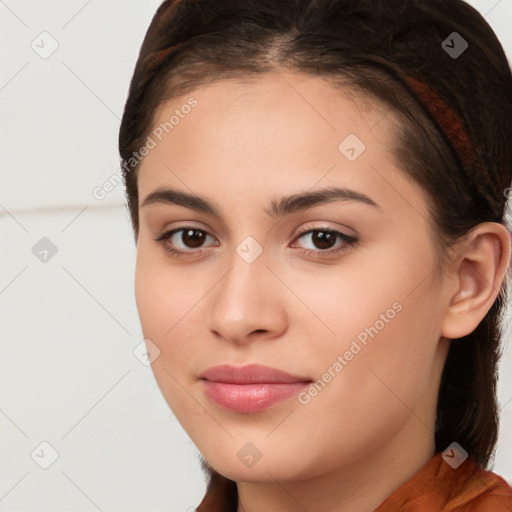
x=245, y=144
x=266, y=122
x=310, y=97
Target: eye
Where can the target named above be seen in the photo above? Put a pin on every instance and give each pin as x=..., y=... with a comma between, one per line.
x=191, y=237
x=192, y=240
x=324, y=239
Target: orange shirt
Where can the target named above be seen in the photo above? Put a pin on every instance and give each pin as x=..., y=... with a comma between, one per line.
x=436, y=487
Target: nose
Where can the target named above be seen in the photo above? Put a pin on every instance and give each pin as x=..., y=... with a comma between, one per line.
x=248, y=302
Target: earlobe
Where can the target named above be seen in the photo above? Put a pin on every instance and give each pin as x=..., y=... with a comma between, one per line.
x=485, y=257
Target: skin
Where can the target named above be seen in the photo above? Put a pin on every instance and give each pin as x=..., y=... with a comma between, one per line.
x=372, y=426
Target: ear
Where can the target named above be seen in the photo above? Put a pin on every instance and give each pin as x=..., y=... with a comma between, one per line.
x=483, y=261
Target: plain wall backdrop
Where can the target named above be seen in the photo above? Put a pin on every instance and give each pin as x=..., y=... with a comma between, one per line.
x=75, y=398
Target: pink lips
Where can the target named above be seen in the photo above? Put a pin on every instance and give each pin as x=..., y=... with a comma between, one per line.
x=250, y=388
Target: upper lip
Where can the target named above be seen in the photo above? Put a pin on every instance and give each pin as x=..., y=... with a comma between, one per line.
x=249, y=374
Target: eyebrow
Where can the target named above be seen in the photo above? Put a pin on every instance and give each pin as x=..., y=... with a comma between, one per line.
x=278, y=208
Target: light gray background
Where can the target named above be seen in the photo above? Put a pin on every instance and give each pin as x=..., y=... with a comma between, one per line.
x=70, y=325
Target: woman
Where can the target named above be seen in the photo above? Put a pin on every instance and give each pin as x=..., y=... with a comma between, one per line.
x=317, y=190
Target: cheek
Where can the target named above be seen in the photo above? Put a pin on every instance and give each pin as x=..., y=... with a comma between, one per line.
x=385, y=370
x=163, y=301
x=353, y=296
x=163, y=298
x=163, y=294
x=169, y=302
x=383, y=318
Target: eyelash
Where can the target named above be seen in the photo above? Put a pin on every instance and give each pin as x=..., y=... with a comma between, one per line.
x=347, y=239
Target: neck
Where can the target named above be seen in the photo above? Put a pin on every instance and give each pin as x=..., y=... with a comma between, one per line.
x=358, y=486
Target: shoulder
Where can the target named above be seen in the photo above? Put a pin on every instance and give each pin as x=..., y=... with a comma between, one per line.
x=439, y=486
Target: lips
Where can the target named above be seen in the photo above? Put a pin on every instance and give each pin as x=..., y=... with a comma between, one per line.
x=252, y=388
x=250, y=374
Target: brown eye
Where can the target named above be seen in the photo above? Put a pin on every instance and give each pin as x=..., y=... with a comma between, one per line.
x=184, y=241
x=193, y=238
x=323, y=241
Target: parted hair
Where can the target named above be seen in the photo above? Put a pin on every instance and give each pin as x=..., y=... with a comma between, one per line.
x=454, y=136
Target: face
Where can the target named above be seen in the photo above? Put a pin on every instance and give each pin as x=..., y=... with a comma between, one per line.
x=338, y=289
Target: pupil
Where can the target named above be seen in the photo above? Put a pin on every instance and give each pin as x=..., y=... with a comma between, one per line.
x=323, y=239
x=196, y=241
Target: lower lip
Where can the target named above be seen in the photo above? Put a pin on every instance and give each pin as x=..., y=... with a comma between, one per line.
x=251, y=397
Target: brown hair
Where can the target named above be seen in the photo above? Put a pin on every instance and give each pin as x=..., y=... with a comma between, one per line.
x=454, y=138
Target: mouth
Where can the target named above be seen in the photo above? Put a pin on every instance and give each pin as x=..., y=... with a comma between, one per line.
x=250, y=388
